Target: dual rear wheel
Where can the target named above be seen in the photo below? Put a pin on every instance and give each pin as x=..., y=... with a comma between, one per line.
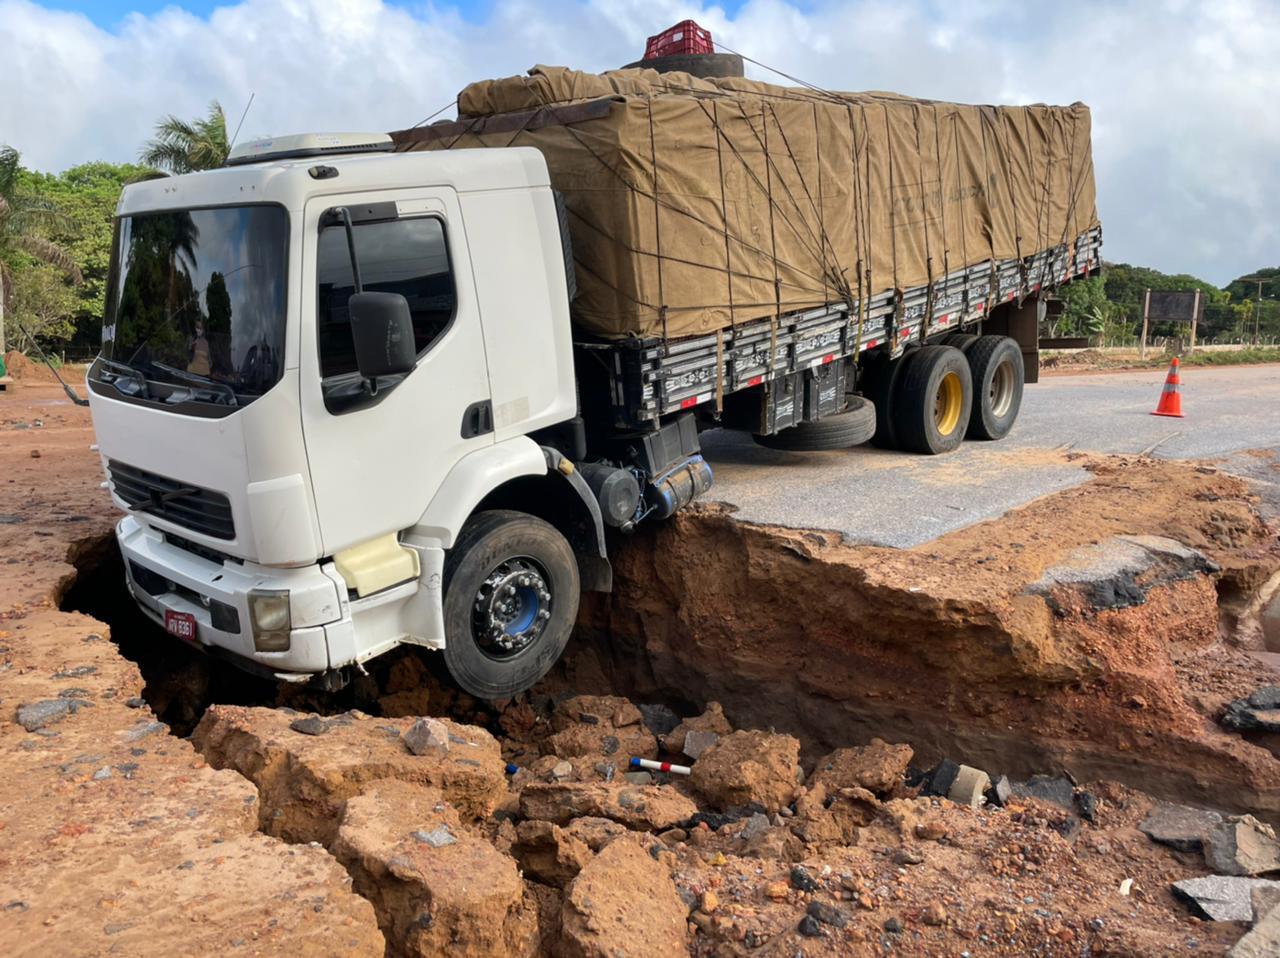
x=929, y=400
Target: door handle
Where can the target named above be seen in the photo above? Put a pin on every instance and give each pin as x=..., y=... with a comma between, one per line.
x=477, y=419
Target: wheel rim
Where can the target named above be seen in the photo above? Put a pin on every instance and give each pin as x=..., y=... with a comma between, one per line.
x=512, y=608
x=1000, y=395
x=947, y=403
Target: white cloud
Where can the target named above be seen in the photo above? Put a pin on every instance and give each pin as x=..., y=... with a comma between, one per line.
x=1184, y=94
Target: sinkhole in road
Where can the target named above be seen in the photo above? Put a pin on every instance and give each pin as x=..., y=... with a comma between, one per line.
x=181, y=682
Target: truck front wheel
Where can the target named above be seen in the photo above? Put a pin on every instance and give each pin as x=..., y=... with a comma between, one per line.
x=510, y=601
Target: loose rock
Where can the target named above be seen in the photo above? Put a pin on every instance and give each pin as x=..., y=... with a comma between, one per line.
x=600, y=725
x=643, y=807
x=878, y=767
x=595, y=832
x=427, y=736
x=748, y=768
x=463, y=897
x=1262, y=941
x=548, y=853
x=304, y=781
x=1242, y=845
x=623, y=903
x=712, y=720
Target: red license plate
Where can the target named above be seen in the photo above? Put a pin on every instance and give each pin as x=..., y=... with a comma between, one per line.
x=180, y=624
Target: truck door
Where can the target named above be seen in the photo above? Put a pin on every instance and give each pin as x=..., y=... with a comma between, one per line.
x=378, y=456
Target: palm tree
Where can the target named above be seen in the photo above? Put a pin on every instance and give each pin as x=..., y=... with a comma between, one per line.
x=184, y=147
x=23, y=217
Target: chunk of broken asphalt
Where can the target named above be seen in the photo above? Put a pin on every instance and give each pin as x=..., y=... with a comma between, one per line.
x=809, y=927
x=1087, y=803
x=659, y=719
x=802, y=880
x=1047, y=788
x=311, y=725
x=1179, y=826
x=34, y=716
x=940, y=778
x=1259, y=712
x=1221, y=897
x=437, y=838
x=1001, y=791
x=828, y=914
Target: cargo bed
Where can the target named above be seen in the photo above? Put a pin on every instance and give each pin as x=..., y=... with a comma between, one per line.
x=653, y=378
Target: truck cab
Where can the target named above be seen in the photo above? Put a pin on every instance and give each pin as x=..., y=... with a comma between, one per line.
x=327, y=382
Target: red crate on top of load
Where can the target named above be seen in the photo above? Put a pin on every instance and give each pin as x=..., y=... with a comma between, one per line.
x=684, y=38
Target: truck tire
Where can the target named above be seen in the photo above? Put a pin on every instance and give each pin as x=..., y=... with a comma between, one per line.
x=511, y=594
x=996, y=365
x=881, y=376
x=961, y=341
x=932, y=400
x=852, y=427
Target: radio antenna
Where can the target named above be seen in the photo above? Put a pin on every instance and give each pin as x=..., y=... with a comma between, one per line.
x=236, y=135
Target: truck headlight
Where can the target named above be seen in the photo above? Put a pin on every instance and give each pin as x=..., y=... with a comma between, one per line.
x=269, y=612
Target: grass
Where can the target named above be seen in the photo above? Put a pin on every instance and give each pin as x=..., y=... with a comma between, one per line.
x=1239, y=357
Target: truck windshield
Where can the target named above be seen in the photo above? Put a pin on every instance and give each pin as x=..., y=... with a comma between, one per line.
x=195, y=306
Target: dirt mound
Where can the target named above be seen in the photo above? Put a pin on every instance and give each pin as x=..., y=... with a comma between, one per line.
x=26, y=370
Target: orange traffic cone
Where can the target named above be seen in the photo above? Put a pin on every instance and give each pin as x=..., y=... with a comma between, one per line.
x=1171, y=397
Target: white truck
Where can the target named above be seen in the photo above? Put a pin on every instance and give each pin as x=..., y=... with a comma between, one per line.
x=342, y=403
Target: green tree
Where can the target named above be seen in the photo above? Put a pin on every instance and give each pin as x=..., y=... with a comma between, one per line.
x=25, y=217
x=1086, y=308
x=180, y=146
x=86, y=196
x=44, y=304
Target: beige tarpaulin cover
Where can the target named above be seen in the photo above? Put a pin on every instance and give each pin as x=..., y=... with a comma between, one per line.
x=698, y=204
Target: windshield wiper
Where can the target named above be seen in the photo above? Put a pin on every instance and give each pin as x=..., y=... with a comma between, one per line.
x=195, y=379
x=129, y=374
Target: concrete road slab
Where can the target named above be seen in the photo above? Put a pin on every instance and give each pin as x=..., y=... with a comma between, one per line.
x=899, y=499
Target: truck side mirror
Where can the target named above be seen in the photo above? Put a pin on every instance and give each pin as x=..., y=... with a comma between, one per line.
x=382, y=331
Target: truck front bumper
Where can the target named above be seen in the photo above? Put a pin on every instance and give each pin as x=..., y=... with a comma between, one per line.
x=164, y=577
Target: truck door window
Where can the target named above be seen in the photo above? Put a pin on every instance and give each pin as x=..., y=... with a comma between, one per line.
x=405, y=256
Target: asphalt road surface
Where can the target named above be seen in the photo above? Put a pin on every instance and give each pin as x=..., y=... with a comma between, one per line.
x=901, y=499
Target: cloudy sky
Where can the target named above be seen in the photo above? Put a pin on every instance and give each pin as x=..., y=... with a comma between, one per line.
x=1185, y=95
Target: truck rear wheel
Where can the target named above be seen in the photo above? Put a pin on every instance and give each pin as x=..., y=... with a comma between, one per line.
x=880, y=378
x=852, y=427
x=961, y=341
x=932, y=400
x=511, y=594
x=996, y=365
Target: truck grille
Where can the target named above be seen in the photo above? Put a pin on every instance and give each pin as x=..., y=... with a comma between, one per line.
x=200, y=510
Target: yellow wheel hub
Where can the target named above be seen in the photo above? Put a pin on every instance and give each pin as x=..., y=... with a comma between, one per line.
x=948, y=403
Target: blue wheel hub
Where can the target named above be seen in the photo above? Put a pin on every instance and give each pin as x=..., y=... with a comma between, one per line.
x=512, y=608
